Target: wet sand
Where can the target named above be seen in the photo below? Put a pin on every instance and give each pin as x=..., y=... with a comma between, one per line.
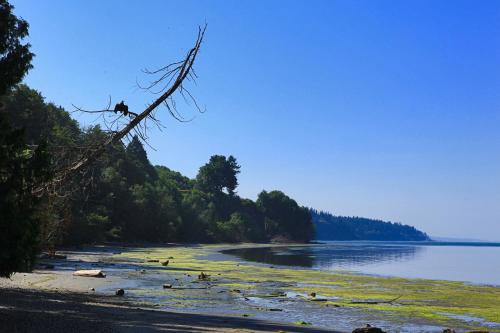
x=53, y=300
x=238, y=296
x=23, y=310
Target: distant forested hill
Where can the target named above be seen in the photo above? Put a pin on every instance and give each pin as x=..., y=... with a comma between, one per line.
x=330, y=227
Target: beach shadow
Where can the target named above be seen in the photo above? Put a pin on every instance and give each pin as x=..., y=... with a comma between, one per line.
x=47, y=311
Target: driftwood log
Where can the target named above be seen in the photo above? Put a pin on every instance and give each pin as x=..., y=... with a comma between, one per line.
x=97, y=273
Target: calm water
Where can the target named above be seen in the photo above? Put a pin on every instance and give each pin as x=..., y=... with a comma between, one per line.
x=470, y=262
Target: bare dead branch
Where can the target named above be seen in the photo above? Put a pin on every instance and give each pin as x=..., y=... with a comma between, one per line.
x=171, y=81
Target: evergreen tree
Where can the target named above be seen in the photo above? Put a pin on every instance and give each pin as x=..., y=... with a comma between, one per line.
x=331, y=227
x=218, y=175
x=15, y=57
x=284, y=217
x=124, y=198
x=138, y=168
x=20, y=170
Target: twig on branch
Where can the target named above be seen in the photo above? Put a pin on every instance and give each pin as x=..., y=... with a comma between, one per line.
x=171, y=80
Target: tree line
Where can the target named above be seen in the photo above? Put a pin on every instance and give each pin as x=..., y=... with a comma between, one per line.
x=116, y=193
x=125, y=198
x=331, y=227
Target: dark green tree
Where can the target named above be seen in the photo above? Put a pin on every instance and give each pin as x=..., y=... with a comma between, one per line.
x=20, y=170
x=245, y=224
x=43, y=122
x=122, y=197
x=233, y=230
x=331, y=227
x=156, y=213
x=88, y=209
x=284, y=217
x=15, y=56
x=199, y=216
x=174, y=178
x=255, y=230
x=218, y=175
x=138, y=168
x=26, y=108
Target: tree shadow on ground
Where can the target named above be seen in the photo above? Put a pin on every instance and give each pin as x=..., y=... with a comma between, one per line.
x=48, y=311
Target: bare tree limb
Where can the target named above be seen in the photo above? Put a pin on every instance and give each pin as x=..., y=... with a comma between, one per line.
x=174, y=74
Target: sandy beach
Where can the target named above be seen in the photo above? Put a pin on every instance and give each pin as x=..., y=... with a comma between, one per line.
x=25, y=310
x=53, y=300
x=235, y=296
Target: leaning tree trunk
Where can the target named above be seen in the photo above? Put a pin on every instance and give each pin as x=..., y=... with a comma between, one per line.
x=174, y=75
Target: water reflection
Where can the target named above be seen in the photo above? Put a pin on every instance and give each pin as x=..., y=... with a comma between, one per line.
x=303, y=257
x=343, y=256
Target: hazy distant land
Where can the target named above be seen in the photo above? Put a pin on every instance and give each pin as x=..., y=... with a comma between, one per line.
x=331, y=227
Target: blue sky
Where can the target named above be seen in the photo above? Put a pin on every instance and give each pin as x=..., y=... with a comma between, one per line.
x=383, y=109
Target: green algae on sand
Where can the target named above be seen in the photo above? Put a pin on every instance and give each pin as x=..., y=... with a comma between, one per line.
x=431, y=301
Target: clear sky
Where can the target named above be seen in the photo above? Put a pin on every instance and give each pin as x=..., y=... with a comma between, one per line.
x=383, y=109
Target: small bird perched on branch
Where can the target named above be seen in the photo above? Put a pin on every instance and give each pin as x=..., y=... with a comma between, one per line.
x=122, y=107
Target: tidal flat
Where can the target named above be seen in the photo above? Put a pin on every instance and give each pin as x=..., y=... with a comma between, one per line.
x=232, y=288
x=340, y=300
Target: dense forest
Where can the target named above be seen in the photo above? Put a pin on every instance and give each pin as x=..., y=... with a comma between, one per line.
x=125, y=198
x=116, y=194
x=331, y=227
x=61, y=184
